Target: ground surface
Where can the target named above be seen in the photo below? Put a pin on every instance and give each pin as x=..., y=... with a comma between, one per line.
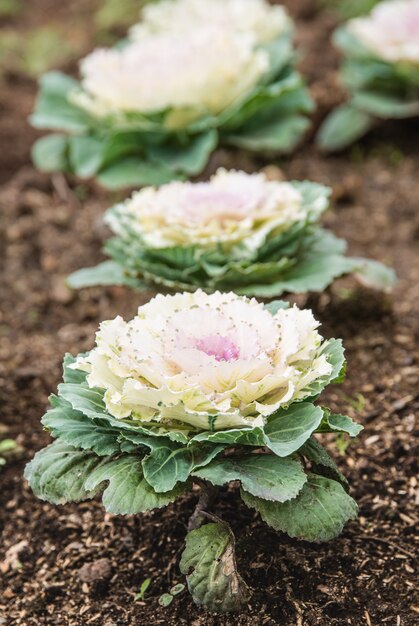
x=49, y=228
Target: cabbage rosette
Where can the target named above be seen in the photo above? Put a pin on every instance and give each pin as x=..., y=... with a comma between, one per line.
x=237, y=232
x=153, y=108
x=380, y=72
x=206, y=389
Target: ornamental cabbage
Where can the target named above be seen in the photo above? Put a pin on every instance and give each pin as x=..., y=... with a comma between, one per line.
x=206, y=362
x=264, y=21
x=391, y=31
x=209, y=70
x=238, y=232
x=153, y=108
x=204, y=389
x=380, y=72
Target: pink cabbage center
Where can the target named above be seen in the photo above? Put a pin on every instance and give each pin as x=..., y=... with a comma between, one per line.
x=222, y=348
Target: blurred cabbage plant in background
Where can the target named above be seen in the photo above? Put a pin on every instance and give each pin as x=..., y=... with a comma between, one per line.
x=380, y=72
x=153, y=108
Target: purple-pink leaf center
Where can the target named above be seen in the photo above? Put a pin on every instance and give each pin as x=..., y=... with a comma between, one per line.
x=222, y=348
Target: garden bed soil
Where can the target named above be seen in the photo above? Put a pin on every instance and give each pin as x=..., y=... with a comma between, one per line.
x=51, y=226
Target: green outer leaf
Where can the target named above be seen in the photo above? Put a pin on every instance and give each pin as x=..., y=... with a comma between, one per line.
x=85, y=155
x=208, y=561
x=342, y=127
x=128, y=492
x=263, y=475
x=340, y=423
x=310, y=273
x=335, y=355
x=275, y=305
x=318, y=513
x=58, y=472
x=322, y=463
x=316, y=259
x=135, y=172
x=385, y=106
x=374, y=274
x=106, y=273
x=168, y=463
x=243, y=436
x=71, y=375
x=284, y=97
x=88, y=401
x=290, y=428
x=74, y=428
x=280, y=136
x=49, y=154
x=53, y=110
x=189, y=158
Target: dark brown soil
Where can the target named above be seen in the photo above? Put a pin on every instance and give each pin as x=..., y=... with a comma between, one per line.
x=50, y=227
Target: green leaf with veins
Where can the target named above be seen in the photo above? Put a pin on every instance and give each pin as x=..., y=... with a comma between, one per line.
x=243, y=436
x=263, y=475
x=58, y=473
x=340, y=423
x=84, y=399
x=290, y=428
x=168, y=463
x=209, y=564
x=318, y=513
x=89, y=401
x=74, y=428
x=127, y=492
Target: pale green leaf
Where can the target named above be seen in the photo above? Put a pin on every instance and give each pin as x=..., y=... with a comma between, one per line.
x=374, y=274
x=106, y=273
x=275, y=305
x=50, y=153
x=342, y=127
x=53, y=109
x=85, y=155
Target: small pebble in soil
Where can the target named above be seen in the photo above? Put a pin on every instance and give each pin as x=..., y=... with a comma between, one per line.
x=99, y=570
